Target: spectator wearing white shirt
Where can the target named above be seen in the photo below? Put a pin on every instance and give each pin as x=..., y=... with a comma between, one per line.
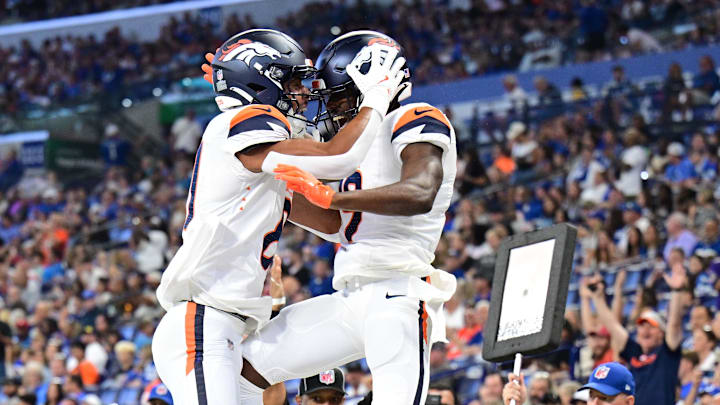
x=186, y=133
x=639, y=40
x=514, y=94
x=600, y=189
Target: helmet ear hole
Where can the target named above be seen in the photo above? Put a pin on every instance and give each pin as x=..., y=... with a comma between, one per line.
x=256, y=87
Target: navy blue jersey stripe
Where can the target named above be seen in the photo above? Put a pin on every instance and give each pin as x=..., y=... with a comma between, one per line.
x=418, y=392
x=257, y=123
x=193, y=187
x=432, y=125
x=199, y=372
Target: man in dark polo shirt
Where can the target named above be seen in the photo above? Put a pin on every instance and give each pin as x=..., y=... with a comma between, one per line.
x=653, y=356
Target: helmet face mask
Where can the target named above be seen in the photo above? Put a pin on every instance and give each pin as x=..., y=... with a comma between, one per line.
x=341, y=106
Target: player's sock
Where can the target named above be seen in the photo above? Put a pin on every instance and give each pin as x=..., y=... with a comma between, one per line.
x=250, y=394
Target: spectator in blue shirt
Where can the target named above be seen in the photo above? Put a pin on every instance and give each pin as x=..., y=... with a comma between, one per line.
x=9, y=391
x=620, y=85
x=704, y=279
x=11, y=172
x=114, y=149
x=8, y=229
x=680, y=168
x=123, y=372
x=705, y=166
x=321, y=282
x=54, y=269
x=706, y=82
x=710, y=238
x=526, y=204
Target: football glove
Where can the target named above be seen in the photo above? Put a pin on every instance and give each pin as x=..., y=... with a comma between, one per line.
x=380, y=84
x=302, y=182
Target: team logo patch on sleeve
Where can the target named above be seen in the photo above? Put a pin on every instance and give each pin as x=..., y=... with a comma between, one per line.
x=327, y=377
x=430, y=118
x=602, y=372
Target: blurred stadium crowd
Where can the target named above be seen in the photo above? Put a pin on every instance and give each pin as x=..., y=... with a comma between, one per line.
x=444, y=40
x=79, y=267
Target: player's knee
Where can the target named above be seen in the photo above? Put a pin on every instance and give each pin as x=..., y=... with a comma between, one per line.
x=385, y=341
x=394, y=387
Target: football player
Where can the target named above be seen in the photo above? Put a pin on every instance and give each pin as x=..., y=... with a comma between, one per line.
x=388, y=215
x=236, y=208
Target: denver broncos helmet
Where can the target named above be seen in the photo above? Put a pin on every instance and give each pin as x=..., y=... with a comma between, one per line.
x=332, y=80
x=252, y=66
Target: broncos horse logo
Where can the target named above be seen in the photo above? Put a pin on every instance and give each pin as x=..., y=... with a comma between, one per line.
x=246, y=51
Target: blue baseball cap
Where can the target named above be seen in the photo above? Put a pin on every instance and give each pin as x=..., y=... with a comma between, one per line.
x=161, y=392
x=632, y=206
x=611, y=379
x=597, y=214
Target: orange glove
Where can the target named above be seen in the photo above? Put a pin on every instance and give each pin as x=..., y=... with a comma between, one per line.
x=207, y=68
x=300, y=181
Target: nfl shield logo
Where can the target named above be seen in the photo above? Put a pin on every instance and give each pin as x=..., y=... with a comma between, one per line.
x=161, y=390
x=327, y=377
x=602, y=372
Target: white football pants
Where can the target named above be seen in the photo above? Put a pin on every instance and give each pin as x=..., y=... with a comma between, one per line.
x=198, y=355
x=390, y=330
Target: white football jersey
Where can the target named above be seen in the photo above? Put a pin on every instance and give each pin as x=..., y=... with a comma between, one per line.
x=381, y=246
x=234, y=218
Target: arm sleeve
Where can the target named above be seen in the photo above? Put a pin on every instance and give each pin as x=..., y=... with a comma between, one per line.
x=422, y=124
x=333, y=167
x=256, y=124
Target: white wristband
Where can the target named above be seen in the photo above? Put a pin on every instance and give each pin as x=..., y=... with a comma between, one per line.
x=279, y=301
x=377, y=98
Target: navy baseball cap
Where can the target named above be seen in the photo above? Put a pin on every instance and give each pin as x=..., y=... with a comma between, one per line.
x=161, y=392
x=611, y=379
x=632, y=206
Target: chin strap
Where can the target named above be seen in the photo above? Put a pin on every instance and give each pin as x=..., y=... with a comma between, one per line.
x=404, y=91
x=298, y=125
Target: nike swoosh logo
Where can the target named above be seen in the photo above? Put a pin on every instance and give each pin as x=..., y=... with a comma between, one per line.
x=388, y=296
x=262, y=109
x=419, y=112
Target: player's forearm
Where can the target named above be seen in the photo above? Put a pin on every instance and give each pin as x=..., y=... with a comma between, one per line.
x=401, y=199
x=694, y=388
x=675, y=313
x=586, y=315
x=336, y=159
x=618, y=334
x=618, y=303
x=308, y=215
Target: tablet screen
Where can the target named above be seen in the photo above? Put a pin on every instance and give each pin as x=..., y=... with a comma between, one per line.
x=526, y=289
